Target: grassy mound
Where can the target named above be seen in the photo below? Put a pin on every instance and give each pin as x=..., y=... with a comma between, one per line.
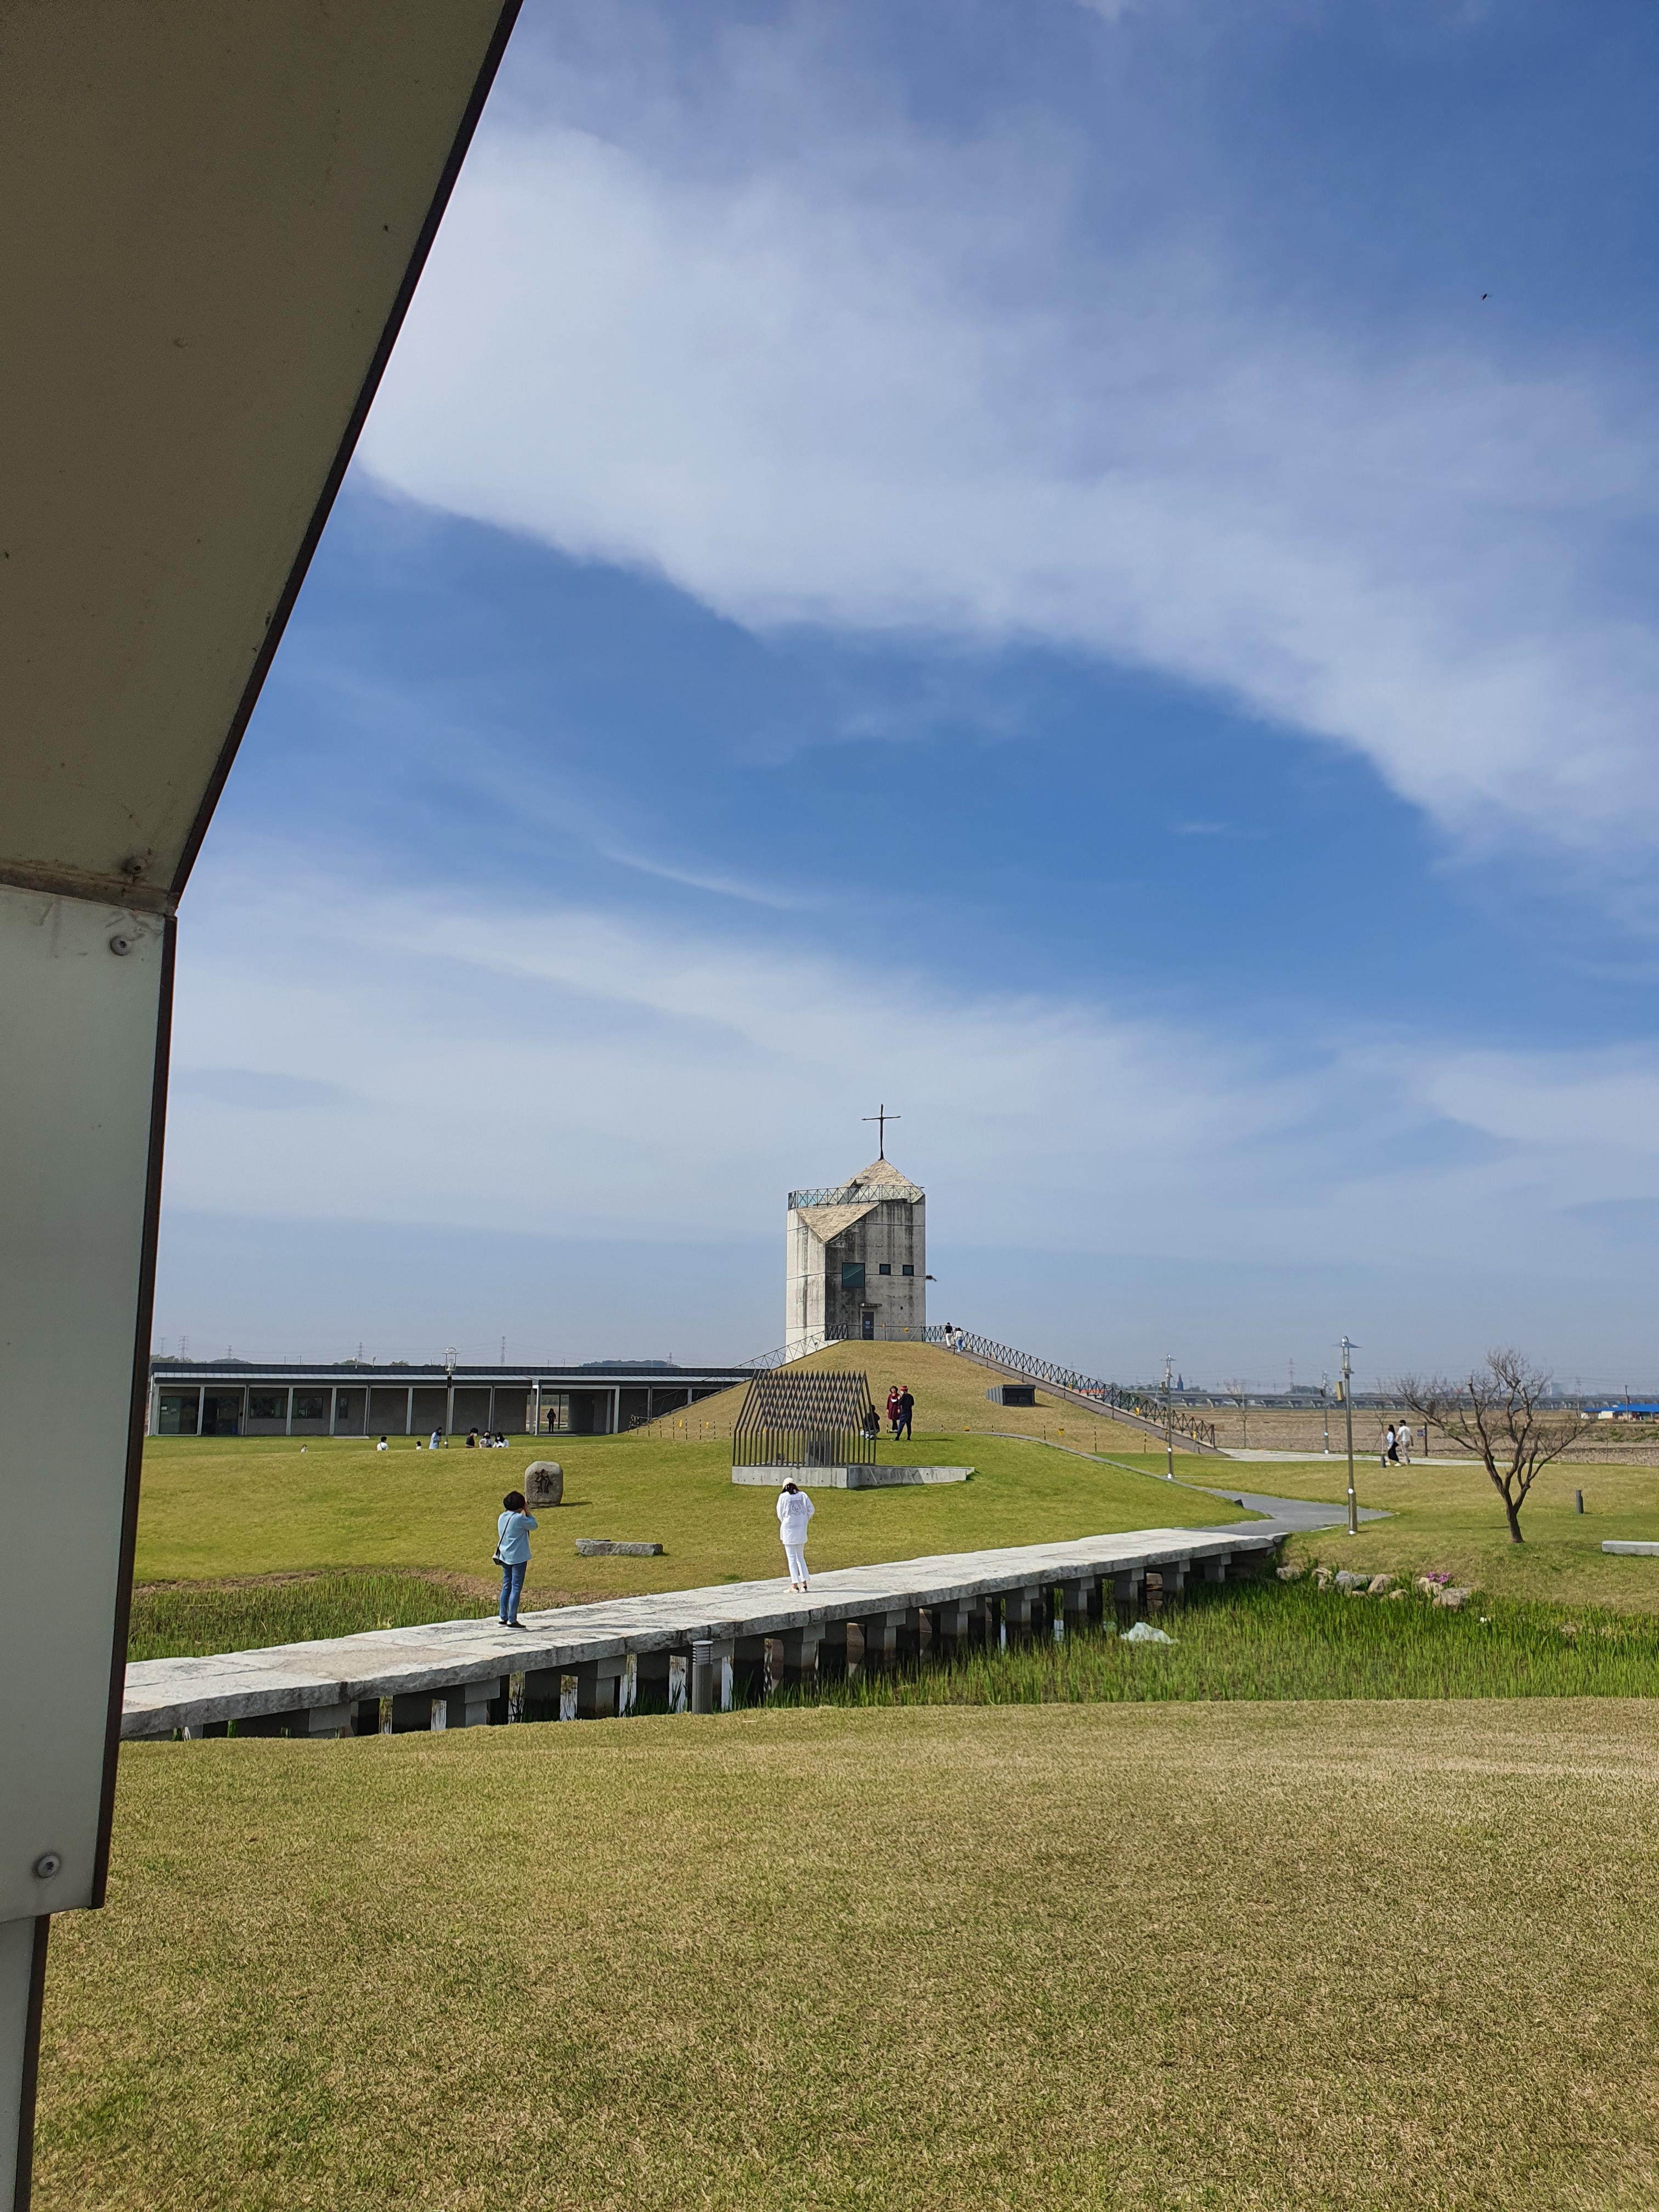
x=1349, y=1956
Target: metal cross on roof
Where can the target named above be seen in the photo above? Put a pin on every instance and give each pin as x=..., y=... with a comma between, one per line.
x=881, y=1117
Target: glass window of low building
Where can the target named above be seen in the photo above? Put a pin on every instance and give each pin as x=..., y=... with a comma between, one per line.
x=178, y=1413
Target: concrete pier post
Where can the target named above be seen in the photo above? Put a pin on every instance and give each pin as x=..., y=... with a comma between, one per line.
x=543, y=1689
x=1174, y=1574
x=1017, y=1606
x=881, y=1632
x=651, y=1689
x=750, y=1666
x=475, y=1705
x=797, y=1657
x=834, y=1651
x=679, y=1682
x=325, y=1721
x=1073, y=1608
x=600, y=1688
x=1126, y=1596
x=1215, y=1570
x=951, y=1626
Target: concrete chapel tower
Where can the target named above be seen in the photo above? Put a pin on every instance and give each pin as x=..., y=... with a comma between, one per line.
x=857, y=1262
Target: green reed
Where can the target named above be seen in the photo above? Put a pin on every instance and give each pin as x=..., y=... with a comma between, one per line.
x=1273, y=1641
x=188, y=1620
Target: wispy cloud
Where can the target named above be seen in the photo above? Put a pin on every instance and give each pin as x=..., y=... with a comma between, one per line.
x=817, y=385
x=556, y=1068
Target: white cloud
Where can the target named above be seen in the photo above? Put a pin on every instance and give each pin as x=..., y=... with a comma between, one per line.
x=558, y=1069
x=879, y=383
x=555, y=1070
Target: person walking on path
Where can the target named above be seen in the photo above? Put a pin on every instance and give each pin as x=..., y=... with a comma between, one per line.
x=1390, y=1449
x=1403, y=1442
x=795, y=1509
x=892, y=1408
x=513, y=1553
x=907, y=1405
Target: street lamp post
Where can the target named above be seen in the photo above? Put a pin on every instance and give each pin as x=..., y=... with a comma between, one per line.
x=1348, y=1412
x=1169, y=1423
x=1325, y=1410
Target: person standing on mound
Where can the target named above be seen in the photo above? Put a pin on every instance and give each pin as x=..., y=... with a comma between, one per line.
x=795, y=1509
x=513, y=1553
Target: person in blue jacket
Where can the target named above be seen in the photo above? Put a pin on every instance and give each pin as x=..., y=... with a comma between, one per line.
x=513, y=1553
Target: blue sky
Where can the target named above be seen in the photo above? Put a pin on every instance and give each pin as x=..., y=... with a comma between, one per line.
x=1083, y=570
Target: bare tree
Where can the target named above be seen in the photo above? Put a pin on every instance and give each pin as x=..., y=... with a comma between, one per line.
x=1239, y=1391
x=1502, y=1414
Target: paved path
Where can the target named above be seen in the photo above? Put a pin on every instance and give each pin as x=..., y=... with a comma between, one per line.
x=1285, y=1517
x=1361, y=1458
x=1296, y=1516
x=464, y=1666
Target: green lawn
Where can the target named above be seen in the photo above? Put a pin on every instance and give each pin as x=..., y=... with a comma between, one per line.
x=1450, y=1518
x=1361, y=1957
x=215, y=1507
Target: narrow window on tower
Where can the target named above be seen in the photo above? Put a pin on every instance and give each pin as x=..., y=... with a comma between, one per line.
x=884, y=1268
x=903, y=1271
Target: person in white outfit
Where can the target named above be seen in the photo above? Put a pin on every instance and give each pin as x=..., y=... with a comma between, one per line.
x=795, y=1509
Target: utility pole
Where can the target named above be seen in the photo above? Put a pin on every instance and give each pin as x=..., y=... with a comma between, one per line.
x=1347, y=1409
x=1325, y=1409
x=1169, y=1423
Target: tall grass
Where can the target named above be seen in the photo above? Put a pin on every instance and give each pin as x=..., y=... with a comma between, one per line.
x=1278, y=1640
x=190, y=1621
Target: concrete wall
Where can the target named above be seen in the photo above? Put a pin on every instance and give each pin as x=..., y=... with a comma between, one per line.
x=824, y=1295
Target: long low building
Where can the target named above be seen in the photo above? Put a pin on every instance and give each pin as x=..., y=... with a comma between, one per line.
x=242, y=1398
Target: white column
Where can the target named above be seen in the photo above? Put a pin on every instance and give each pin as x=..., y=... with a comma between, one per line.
x=201, y=1407
x=409, y=1414
x=333, y=1406
x=87, y=992
x=288, y=1430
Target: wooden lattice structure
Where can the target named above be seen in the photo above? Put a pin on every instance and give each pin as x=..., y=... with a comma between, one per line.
x=806, y=1421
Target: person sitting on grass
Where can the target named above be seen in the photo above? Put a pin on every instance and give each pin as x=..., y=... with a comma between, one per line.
x=872, y=1423
x=383, y=1445
x=513, y=1553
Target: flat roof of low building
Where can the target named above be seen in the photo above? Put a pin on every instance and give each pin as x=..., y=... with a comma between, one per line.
x=600, y=1373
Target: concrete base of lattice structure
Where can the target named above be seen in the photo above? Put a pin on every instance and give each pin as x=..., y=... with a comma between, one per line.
x=847, y=1478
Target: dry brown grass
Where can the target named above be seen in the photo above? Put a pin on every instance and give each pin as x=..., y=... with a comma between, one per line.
x=1257, y=1957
